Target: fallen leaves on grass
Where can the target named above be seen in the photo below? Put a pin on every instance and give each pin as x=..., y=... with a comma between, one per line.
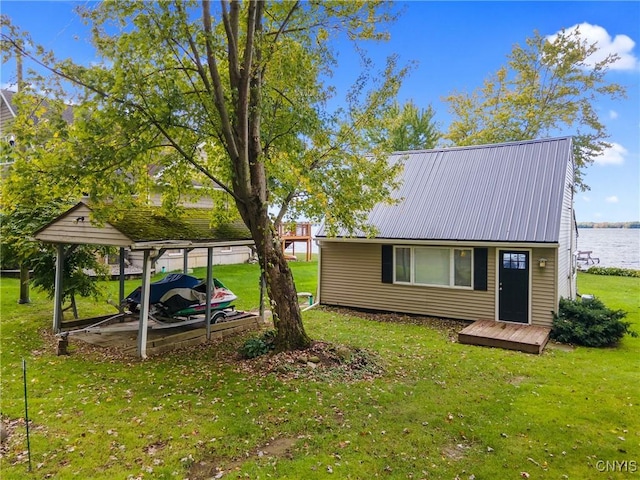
x=321, y=362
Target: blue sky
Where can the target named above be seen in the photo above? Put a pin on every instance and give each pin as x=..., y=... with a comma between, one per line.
x=457, y=45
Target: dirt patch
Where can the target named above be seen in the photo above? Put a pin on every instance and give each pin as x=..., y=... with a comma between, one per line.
x=560, y=346
x=455, y=452
x=218, y=468
x=517, y=380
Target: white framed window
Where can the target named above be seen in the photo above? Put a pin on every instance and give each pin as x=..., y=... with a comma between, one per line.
x=433, y=266
x=174, y=252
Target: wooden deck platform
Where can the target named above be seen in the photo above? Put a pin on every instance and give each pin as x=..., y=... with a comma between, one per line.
x=293, y=233
x=160, y=341
x=512, y=336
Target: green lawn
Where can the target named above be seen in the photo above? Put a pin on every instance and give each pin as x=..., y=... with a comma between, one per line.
x=441, y=410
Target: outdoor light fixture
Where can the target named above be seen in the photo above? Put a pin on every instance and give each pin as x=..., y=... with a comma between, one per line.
x=542, y=262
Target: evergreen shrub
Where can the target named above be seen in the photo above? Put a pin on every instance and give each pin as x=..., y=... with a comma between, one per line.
x=589, y=323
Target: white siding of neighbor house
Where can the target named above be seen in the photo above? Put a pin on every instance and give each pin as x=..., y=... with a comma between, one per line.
x=351, y=277
x=567, y=240
x=6, y=117
x=196, y=258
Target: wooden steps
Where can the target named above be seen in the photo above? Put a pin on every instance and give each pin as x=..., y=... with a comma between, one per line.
x=511, y=336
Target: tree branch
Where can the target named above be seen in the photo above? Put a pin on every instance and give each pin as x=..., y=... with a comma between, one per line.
x=227, y=131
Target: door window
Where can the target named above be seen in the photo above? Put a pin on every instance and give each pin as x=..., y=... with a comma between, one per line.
x=514, y=261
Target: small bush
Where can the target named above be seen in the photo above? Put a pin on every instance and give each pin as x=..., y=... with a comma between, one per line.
x=614, y=271
x=256, y=346
x=589, y=323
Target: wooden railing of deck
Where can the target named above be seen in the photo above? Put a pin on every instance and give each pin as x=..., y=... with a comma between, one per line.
x=292, y=233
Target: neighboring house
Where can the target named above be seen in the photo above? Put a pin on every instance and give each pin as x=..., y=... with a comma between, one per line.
x=174, y=258
x=482, y=232
x=7, y=114
x=9, y=111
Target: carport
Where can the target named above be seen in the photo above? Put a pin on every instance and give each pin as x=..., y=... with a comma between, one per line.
x=146, y=230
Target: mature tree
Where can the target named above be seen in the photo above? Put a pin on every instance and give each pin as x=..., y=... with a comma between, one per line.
x=16, y=229
x=30, y=199
x=547, y=86
x=407, y=127
x=238, y=94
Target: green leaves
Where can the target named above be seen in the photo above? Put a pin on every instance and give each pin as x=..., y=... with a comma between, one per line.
x=407, y=128
x=548, y=85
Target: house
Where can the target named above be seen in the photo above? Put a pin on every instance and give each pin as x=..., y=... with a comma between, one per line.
x=9, y=111
x=480, y=232
x=175, y=258
x=7, y=114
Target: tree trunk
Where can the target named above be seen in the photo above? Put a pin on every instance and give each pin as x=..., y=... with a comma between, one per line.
x=287, y=317
x=24, y=284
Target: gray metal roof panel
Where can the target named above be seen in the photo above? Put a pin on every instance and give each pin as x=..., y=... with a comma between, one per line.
x=504, y=192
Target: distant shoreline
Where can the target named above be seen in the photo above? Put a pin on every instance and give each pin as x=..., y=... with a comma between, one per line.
x=608, y=224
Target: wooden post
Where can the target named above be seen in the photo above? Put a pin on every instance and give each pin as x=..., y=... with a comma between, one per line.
x=24, y=284
x=24, y=269
x=185, y=261
x=262, y=289
x=144, y=305
x=207, y=310
x=121, y=277
x=57, y=299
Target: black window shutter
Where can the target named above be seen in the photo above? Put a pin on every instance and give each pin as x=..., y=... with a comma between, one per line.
x=480, y=268
x=387, y=263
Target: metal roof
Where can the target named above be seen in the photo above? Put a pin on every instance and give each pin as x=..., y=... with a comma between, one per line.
x=509, y=192
x=7, y=97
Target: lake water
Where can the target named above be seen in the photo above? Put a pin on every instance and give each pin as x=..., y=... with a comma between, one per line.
x=616, y=247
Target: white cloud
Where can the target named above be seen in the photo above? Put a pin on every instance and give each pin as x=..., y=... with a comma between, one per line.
x=611, y=199
x=613, y=114
x=586, y=199
x=621, y=45
x=612, y=156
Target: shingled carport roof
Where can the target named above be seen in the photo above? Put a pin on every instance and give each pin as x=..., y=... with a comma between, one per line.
x=143, y=228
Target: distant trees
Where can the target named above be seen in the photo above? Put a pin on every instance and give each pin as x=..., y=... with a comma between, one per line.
x=407, y=127
x=17, y=226
x=546, y=86
x=608, y=224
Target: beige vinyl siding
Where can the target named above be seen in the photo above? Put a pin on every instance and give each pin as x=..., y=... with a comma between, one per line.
x=351, y=275
x=70, y=230
x=566, y=240
x=543, y=288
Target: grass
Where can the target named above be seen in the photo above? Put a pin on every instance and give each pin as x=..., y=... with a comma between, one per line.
x=441, y=410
